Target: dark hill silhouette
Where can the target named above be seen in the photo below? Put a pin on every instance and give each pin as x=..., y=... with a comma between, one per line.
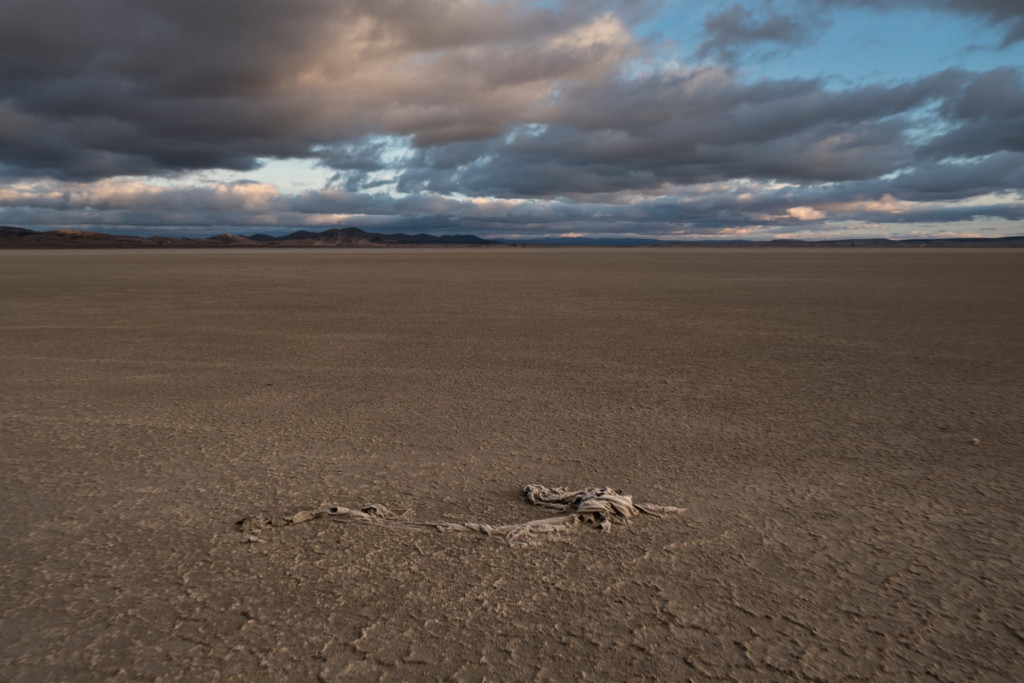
x=14, y=238
x=358, y=237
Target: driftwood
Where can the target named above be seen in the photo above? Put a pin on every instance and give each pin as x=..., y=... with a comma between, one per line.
x=596, y=507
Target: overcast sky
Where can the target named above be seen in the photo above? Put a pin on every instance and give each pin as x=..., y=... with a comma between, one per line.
x=507, y=118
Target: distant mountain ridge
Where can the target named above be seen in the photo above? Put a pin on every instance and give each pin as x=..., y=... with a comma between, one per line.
x=23, y=238
x=358, y=237
x=13, y=238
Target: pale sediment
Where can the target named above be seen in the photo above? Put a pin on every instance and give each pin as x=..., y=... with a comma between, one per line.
x=598, y=508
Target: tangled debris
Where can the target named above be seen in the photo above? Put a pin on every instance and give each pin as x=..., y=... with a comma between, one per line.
x=594, y=507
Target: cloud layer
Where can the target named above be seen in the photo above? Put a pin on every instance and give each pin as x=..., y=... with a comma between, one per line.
x=491, y=116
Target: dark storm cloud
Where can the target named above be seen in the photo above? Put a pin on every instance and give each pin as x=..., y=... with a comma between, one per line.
x=106, y=87
x=729, y=32
x=994, y=174
x=705, y=125
x=495, y=98
x=989, y=112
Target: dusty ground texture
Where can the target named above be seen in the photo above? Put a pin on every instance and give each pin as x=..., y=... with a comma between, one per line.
x=814, y=412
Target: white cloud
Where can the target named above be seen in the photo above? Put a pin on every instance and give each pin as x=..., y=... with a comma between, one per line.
x=806, y=213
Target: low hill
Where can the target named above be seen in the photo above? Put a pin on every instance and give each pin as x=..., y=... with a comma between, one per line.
x=354, y=237
x=15, y=238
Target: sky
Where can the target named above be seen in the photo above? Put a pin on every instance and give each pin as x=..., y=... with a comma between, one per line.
x=686, y=120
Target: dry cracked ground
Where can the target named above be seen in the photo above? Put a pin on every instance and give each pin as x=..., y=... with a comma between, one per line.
x=843, y=427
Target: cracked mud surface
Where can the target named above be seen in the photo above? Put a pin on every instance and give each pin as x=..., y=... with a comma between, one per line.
x=813, y=411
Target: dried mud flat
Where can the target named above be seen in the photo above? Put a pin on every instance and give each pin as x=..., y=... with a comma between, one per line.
x=844, y=429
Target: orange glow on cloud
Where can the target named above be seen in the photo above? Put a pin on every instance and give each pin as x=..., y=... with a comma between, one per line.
x=887, y=204
x=806, y=213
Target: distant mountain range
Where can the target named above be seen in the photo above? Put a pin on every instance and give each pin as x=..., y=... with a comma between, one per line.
x=335, y=237
x=14, y=238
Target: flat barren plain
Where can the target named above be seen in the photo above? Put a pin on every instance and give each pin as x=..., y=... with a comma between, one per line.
x=844, y=428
